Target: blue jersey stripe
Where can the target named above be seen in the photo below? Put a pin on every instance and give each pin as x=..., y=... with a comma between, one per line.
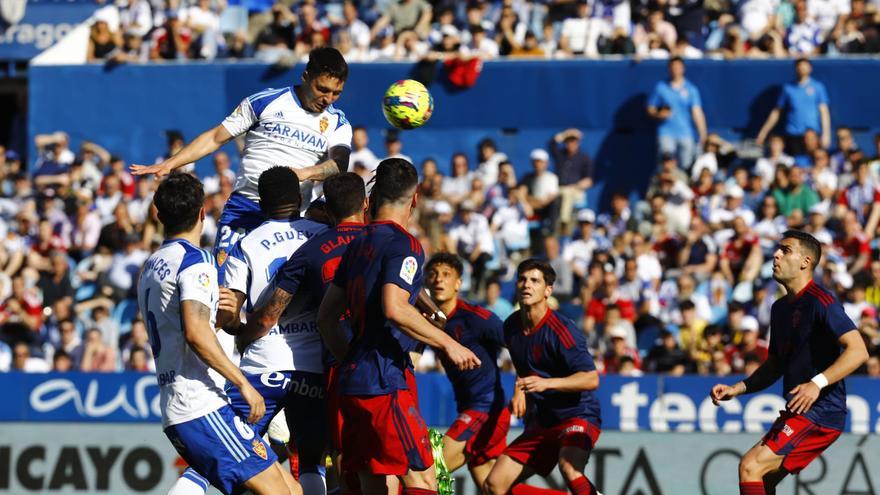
x=259, y=103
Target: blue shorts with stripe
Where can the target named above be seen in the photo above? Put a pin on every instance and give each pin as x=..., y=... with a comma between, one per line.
x=240, y=216
x=222, y=447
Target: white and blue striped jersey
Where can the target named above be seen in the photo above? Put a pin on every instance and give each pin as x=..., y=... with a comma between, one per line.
x=294, y=343
x=179, y=271
x=280, y=132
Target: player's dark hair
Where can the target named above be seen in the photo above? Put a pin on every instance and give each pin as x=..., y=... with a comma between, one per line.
x=345, y=195
x=279, y=188
x=808, y=244
x=178, y=201
x=327, y=61
x=396, y=179
x=447, y=259
x=540, y=265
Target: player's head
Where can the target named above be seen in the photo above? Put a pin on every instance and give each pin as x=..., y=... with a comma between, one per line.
x=323, y=79
x=797, y=255
x=279, y=191
x=179, y=201
x=395, y=185
x=534, y=281
x=345, y=195
x=443, y=276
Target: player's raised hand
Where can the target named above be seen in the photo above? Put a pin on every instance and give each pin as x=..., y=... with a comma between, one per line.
x=461, y=356
x=159, y=170
x=721, y=392
x=804, y=395
x=254, y=401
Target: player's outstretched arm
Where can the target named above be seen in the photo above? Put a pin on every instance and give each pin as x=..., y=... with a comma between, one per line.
x=854, y=355
x=202, y=146
x=396, y=306
x=763, y=377
x=580, y=381
x=265, y=317
x=201, y=338
x=332, y=308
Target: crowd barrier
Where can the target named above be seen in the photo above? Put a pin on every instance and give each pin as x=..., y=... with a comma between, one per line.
x=76, y=458
x=520, y=104
x=651, y=403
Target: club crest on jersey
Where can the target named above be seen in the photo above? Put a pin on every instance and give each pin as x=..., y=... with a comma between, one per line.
x=465, y=418
x=408, y=269
x=221, y=256
x=537, y=352
x=796, y=318
x=260, y=449
x=323, y=124
x=787, y=430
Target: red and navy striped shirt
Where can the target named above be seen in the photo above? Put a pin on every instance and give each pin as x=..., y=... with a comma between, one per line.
x=555, y=348
x=804, y=338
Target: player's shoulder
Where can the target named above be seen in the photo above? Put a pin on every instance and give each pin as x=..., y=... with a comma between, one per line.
x=513, y=322
x=563, y=328
x=399, y=239
x=476, y=311
x=262, y=99
x=193, y=256
x=341, y=120
x=820, y=295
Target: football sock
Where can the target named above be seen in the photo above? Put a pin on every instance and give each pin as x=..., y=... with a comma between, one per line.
x=751, y=488
x=189, y=483
x=582, y=486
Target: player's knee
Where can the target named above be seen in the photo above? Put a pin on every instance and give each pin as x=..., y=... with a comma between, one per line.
x=750, y=469
x=494, y=484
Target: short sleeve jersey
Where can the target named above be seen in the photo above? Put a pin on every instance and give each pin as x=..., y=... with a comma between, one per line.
x=294, y=343
x=385, y=254
x=482, y=332
x=800, y=102
x=804, y=338
x=280, y=132
x=179, y=271
x=680, y=101
x=555, y=348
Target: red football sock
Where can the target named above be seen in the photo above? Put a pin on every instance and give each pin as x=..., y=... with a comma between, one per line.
x=752, y=488
x=581, y=486
x=524, y=489
x=293, y=458
x=418, y=491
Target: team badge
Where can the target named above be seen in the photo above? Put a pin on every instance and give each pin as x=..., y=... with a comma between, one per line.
x=260, y=449
x=796, y=318
x=465, y=418
x=204, y=280
x=221, y=256
x=787, y=430
x=537, y=352
x=323, y=124
x=408, y=269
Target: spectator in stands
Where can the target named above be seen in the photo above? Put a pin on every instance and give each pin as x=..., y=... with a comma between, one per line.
x=223, y=168
x=574, y=170
x=457, y=186
x=61, y=362
x=490, y=161
x=404, y=15
x=618, y=349
x=97, y=355
x=750, y=344
x=805, y=103
x=278, y=38
x=55, y=284
x=564, y=285
x=699, y=252
x=766, y=165
x=203, y=22
x=494, y=300
x=804, y=37
x=741, y=257
x=543, y=195
x=103, y=42
x=138, y=342
x=654, y=28
x=510, y=225
x=470, y=237
x=54, y=147
x=580, y=34
x=667, y=356
x=797, y=195
x=69, y=342
x=862, y=197
x=853, y=245
x=22, y=360
x=172, y=40
x=511, y=32
x=677, y=105
x=578, y=254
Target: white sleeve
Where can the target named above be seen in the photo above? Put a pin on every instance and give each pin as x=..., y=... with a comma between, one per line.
x=342, y=135
x=241, y=119
x=236, y=272
x=198, y=283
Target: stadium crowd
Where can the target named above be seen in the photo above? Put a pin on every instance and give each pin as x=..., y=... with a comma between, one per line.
x=675, y=281
x=285, y=31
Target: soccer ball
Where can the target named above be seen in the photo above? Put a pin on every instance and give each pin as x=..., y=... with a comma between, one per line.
x=407, y=104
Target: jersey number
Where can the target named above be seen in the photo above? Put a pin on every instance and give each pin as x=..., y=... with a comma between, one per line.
x=152, y=327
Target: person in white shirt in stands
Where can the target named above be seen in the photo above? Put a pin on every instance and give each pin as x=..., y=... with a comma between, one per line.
x=361, y=154
x=23, y=361
x=580, y=35
x=221, y=168
x=179, y=296
x=470, y=237
x=296, y=126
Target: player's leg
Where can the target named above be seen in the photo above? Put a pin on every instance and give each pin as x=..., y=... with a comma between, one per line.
x=270, y=482
x=479, y=473
x=773, y=479
x=190, y=483
x=306, y=413
x=572, y=461
x=755, y=464
x=453, y=453
x=490, y=441
x=505, y=473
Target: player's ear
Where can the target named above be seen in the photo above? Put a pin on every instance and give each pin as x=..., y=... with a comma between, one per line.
x=458, y=284
x=415, y=199
x=305, y=77
x=202, y=214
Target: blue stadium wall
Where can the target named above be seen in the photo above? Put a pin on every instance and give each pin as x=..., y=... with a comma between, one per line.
x=520, y=104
